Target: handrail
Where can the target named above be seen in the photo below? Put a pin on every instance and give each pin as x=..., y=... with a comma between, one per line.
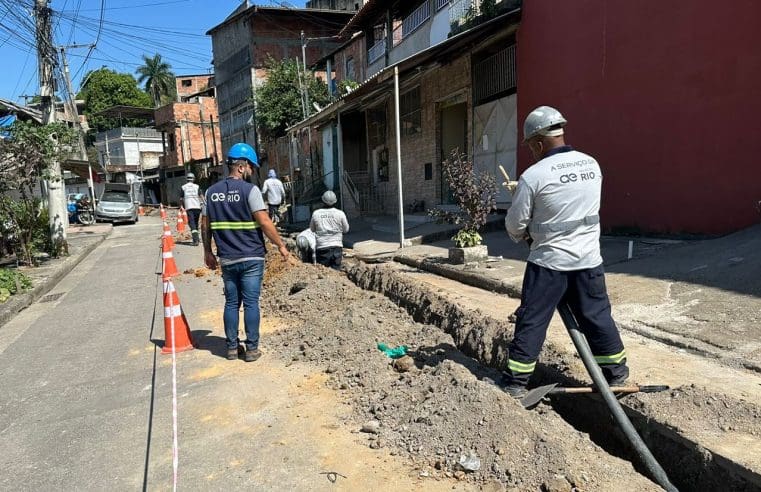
x=353, y=191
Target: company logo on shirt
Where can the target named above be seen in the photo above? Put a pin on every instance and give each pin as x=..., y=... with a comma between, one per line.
x=231, y=197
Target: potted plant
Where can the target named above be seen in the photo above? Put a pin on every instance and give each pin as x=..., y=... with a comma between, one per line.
x=476, y=196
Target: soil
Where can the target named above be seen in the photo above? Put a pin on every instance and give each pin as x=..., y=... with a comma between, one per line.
x=438, y=412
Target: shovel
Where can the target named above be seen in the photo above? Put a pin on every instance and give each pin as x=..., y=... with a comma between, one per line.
x=535, y=395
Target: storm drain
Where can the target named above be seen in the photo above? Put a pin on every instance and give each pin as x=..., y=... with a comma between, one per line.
x=52, y=297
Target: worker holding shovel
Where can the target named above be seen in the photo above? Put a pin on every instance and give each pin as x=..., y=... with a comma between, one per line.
x=555, y=207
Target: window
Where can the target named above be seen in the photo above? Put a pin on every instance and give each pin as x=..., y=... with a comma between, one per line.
x=172, y=144
x=495, y=76
x=350, y=69
x=410, y=112
x=187, y=83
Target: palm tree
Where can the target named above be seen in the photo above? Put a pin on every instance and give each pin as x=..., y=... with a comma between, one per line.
x=158, y=78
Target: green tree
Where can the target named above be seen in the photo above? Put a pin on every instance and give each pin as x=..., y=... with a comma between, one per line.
x=158, y=78
x=278, y=100
x=25, y=157
x=105, y=88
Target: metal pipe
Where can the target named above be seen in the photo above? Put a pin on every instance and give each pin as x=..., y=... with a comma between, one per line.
x=399, y=156
x=580, y=341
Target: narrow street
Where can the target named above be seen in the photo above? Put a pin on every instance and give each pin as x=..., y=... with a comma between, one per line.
x=87, y=396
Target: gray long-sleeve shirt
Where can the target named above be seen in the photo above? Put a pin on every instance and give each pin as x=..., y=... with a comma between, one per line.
x=557, y=202
x=329, y=225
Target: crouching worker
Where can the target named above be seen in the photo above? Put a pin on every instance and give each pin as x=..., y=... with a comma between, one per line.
x=307, y=244
x=329, y=225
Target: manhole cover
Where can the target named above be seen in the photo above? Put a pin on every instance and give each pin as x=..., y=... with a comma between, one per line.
x=52, y=297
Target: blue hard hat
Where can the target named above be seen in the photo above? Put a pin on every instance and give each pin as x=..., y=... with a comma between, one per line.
x=243, y=151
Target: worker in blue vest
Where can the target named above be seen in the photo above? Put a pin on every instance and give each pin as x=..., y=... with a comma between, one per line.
x=555, y=208
x=236, y=216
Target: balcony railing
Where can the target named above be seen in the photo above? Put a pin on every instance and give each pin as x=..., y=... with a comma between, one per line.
x=412, y=22
x=416, y=19
x=377, y=51
x=440, y=4
x=460, y=10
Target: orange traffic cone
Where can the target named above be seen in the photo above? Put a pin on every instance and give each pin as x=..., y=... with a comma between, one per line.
x=169, y=268
x=162, y=211
x=167, y=234
x=185, y=217
x=176, y=329
x=181, y=221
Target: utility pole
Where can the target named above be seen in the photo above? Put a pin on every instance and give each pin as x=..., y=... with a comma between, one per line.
x=59, y=217
x=306, y=74
x=75, y=113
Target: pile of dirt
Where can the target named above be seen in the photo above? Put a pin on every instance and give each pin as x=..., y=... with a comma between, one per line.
x=438, y=412
x=200, y=272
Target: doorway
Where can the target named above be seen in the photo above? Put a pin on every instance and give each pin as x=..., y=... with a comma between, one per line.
x=454, y=135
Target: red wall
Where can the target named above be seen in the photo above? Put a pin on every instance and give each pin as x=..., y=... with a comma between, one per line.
x=665, y=94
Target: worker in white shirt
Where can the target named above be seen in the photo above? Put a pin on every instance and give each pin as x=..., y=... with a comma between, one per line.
x=556, y=209
x=329, y=224
x=192, y=198
x=274, y=192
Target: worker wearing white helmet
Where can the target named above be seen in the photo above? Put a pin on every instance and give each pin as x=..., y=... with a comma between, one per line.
x=329, y=224
x=191, y=196
x=556, y=209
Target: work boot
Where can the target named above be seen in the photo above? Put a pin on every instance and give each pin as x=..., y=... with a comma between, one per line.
x=234, y=353
x=195, y=238
x=252, y=355
x=517, y=391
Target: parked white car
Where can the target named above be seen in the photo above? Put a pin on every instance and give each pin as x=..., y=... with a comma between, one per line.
x=117, y=204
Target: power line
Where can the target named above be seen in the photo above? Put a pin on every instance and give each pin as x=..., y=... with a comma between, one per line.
x=136, y=6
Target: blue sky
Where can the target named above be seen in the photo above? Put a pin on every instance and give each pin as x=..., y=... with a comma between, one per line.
x=130, y=28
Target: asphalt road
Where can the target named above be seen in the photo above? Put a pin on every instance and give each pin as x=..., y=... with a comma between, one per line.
x=86, y=400
x=77, y=393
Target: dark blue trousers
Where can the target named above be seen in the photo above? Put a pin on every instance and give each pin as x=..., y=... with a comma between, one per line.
x=587, y=296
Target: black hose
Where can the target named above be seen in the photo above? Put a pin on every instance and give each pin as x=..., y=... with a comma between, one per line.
x=580, y=341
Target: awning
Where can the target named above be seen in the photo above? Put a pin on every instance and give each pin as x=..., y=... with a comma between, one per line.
x=80, y=168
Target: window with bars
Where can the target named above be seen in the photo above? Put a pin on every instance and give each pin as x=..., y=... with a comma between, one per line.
x=410, y=112
x=495, y=76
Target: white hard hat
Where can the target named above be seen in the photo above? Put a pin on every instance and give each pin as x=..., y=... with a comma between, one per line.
x=544, y=120
x=329, y=198
x=190, y=176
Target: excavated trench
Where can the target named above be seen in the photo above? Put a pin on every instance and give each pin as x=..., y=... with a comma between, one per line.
x=689, y=465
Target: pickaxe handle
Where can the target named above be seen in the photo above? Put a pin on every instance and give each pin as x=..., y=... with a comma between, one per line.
x=614, y=389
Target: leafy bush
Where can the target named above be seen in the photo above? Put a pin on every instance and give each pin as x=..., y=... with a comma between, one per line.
x=12, y=282
x=475, y=194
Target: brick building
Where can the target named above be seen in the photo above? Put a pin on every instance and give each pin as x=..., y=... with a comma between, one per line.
x=191, y=135
x=457, y=91
x=243, y=43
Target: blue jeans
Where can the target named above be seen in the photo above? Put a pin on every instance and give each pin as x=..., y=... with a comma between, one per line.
x=243, y=283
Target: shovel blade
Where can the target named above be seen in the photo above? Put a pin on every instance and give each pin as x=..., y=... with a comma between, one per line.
x=535, y=395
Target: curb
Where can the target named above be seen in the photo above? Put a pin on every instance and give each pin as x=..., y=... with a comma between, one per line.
x=15, y=306
x=500, y=286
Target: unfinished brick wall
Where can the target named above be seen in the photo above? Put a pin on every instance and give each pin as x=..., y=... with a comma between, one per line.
x=192, y=84
x=188, y=137
x=449, y=82
x=355, y=51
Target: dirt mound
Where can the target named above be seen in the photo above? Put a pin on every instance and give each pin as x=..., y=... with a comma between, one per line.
x=439, y=413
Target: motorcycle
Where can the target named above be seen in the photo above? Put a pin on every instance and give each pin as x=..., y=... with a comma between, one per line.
x=81, y=211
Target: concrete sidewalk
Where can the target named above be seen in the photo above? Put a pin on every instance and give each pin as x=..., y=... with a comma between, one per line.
x=701, y=295
x=82, y=241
